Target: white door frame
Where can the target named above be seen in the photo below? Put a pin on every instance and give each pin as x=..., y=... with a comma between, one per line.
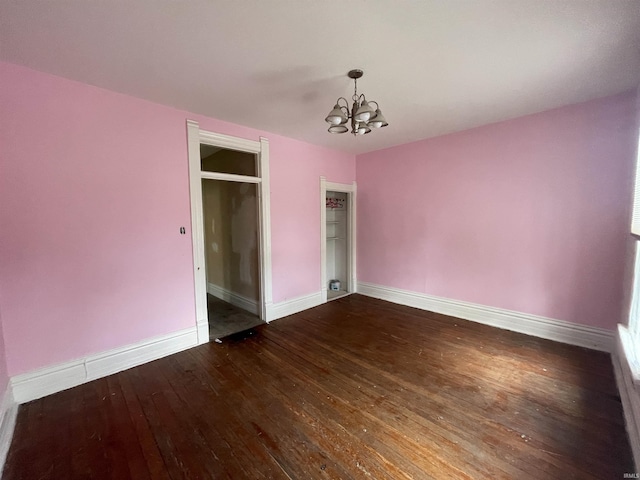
x=351, y=191
x=195, y=137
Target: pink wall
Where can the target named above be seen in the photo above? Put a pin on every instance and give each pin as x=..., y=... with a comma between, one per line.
x=93, y=190
x=530, y=214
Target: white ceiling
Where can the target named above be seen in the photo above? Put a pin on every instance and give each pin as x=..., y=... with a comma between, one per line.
x=434, y=66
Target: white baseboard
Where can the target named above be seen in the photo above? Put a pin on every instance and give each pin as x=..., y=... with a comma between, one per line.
x=535, y=325
x=233, y=298
x=39, y=383
x=202, y=329
x=295, y=305
x=626, y=370
x=8, y=416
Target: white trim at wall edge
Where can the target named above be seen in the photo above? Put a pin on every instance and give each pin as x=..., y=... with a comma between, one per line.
x=535, y=325
x=8, y=416
x=626, y=371
x=39, y=383
x=233, y=298
x=295, y=305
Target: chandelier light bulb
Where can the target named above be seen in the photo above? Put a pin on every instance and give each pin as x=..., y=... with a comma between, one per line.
x=362, y=129
x=378, y=120
x=364, y=112
x=362, y=115
x=338, y=129
x=336, y=116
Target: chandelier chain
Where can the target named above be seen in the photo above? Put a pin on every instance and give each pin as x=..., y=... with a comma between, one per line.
x=362, y=115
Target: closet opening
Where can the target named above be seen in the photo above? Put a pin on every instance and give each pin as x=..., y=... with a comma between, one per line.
x=338, y=239
x=337, y=252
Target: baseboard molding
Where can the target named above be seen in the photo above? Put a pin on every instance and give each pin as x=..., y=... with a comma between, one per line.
x=625, y=368
x=202, y=330
x=233, y=298
x=8, y=416
x=39, y=383
x=535, y=325
x=295, y=305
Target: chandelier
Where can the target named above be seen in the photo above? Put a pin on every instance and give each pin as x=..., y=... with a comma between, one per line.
x=363, y=116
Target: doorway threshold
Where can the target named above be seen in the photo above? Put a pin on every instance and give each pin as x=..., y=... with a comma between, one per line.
x=334, y=295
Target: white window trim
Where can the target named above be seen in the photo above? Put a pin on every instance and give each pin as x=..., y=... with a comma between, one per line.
x=635, y=214
x=630, y=334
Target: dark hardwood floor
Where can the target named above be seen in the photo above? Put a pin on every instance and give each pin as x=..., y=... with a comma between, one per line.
x=356, y=388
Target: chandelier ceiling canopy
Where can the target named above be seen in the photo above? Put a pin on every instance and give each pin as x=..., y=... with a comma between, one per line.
x=362, y=115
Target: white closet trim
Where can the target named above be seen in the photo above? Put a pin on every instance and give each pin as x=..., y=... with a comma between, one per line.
x=351, y=190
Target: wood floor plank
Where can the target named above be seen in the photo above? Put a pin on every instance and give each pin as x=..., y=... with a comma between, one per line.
x=249, y=447
x=472, y=368
x=407, y=414
x=82, y=464
x=447, y=408
x=122, y=431
x=313, y=418
x=144, y=435
x=493, y=385
x=291, y=447
x=356, y=388
x=180, y=445
x=25, y=428
x=206, y=416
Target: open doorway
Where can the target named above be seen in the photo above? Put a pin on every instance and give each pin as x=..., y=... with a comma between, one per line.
x=229, y=180
x=338, y=270
x=230, y=220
